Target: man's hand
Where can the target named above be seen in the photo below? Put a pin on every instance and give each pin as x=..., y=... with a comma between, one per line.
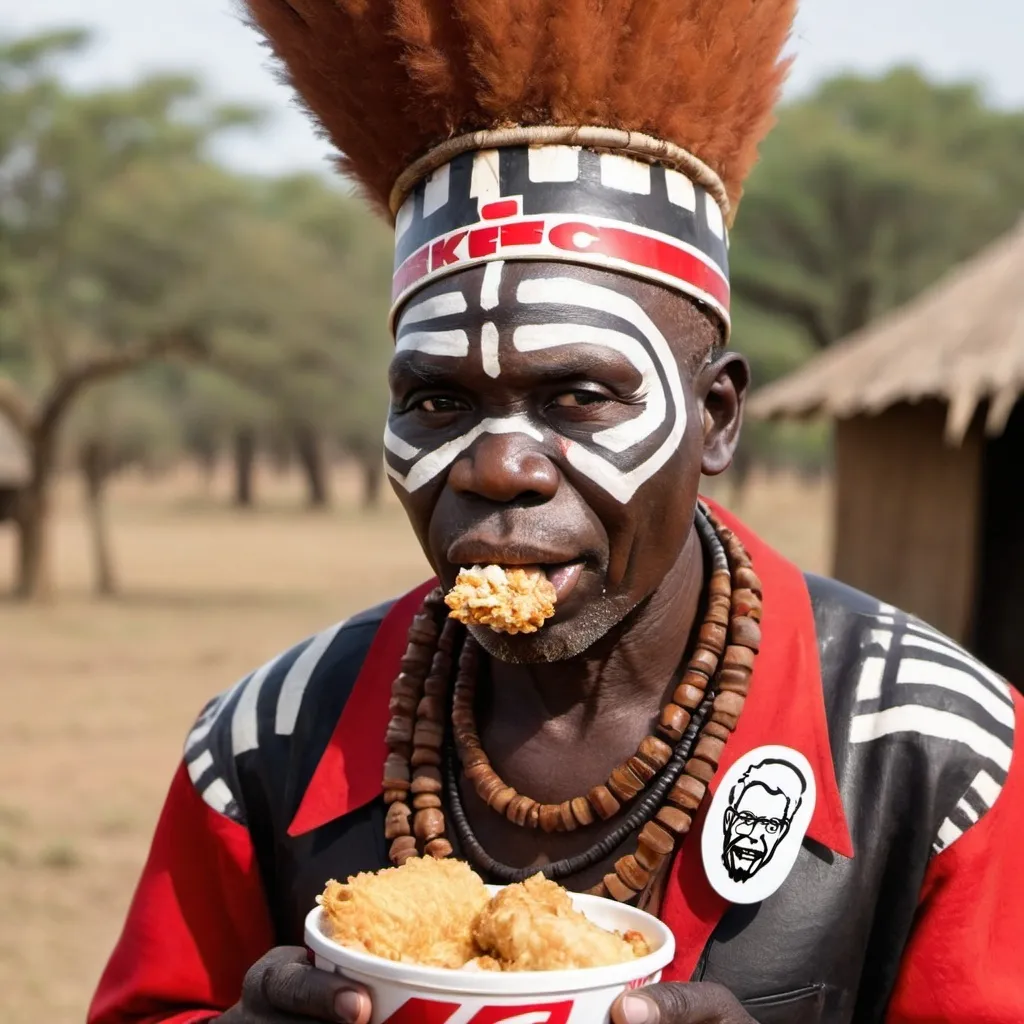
x=701, y=1003
x=284, y=988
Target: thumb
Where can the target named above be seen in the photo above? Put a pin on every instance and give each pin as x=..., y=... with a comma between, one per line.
x=700, y=1003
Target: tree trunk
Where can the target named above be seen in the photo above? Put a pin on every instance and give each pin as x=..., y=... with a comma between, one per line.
x=373, y=481
x=95, y=467
x=310, y=451
x=245, y=464
x=33, y=582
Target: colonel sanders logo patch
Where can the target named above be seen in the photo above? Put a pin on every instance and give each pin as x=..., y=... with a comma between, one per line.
x=757, y=822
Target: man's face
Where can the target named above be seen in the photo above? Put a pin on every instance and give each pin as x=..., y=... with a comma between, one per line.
x=544, y=414
x=754, y=827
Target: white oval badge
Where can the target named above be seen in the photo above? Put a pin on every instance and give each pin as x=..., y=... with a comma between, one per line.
x=757, y=822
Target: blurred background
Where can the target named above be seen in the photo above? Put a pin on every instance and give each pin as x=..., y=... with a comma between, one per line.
x=192, y=392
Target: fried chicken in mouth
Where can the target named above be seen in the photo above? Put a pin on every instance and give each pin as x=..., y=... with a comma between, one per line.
x=438, y=913
x=513, y=600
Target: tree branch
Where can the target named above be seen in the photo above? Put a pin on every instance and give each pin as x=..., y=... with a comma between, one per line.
x=102, y=367
x=15, y=407
x=804, y=311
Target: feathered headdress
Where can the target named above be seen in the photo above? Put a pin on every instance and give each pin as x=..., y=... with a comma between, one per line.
x=612, y=132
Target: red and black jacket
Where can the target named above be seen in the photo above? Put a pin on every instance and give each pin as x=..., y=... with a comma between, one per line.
x=905, y=904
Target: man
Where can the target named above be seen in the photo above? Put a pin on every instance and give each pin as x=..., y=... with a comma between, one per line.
x=561, y=179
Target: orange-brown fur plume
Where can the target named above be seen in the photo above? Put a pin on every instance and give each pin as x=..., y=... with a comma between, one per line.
x=389, y=79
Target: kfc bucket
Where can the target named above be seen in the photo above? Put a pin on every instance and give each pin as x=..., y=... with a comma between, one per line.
x=410, y=994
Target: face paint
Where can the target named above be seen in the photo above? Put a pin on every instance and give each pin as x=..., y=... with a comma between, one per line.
x=661, y=394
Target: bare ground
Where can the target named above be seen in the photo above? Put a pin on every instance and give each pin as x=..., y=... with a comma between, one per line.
x=97, y=696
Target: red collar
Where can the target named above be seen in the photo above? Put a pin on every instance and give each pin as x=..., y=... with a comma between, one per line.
x=785, y=707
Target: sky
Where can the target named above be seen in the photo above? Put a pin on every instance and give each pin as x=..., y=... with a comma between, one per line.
x=949, y=39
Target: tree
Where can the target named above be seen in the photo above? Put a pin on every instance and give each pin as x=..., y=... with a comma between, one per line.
x=866, y=192
x=91, y=277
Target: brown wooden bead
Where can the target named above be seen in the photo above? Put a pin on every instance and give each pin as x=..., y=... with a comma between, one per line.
x=397, y=821
x=394, y=796
x=657, y=838
x=438, y=848
x=436, y=686
x=402, y=705
x=431, y=708
x=605, y=805
x=519, y=809
x=427, y=780
x=720, y=584
x=565, y=811
x=500, y=801
x=428, y=824
x=423, y=628
x=416, y=660
x=428, y=734
x=734, y=680
x=655, y=752
x=478, y=771
x=617, y=889
x=712, y=636
x=533, y=817
x=424, y=801
x=396, y=772
x=688, y=696
x=717, y=730
x=730, y=703
x=624, y=784
x=550, y=817
x=402, y=849
x=406, y=685
x=424, y=755
x=745, y=632
x=598, y=890
x=718, y=611
x=745, y=577
x=709, y=749
x=463, y=718
x=739, y=657
x=630, y=871
x=641, y=769
x=674, y=721
x=699, y=769
x=727, y=721
x=703, y=660
x=746, y=602
x=489, y=787
x=582, y=811
x=400, y=730
x=648, y=859
x=688, y=793
x=674, y=819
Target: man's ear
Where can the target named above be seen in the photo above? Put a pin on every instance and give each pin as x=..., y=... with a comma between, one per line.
x=724, y=385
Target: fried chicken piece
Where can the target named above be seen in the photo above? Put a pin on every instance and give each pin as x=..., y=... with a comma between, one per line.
x=422, y=912
x=509, y=601
x=533, y=926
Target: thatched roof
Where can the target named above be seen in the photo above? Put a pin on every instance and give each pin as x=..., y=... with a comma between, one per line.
x=14, y=466
x=961, y=341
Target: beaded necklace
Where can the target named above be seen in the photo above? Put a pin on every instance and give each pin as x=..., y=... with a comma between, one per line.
x=665, y=781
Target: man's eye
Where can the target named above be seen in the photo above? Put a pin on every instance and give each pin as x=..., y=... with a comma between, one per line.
x=576, y=399
x=440, y=403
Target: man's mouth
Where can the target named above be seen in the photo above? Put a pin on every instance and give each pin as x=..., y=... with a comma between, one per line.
x=563, y=573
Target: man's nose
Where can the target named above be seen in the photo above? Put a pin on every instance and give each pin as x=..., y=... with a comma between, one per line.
x=504, y=468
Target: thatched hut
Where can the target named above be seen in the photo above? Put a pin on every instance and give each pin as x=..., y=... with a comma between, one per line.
x=14, y=467
x=929, y=452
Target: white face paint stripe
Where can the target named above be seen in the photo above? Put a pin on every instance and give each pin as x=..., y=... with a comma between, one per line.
x=435, y=343
x=537, y=337
x=491, y=285
x=489, y=349
x=445, y=304
x=397, y=446
x=572, y=292
x=441, y=458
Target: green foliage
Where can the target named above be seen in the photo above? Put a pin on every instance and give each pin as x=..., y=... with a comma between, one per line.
x=867, y=191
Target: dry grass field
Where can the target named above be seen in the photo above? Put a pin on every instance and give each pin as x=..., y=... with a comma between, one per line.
x=96, y=697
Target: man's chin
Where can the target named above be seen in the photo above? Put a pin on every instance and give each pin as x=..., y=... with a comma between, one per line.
x=556, y=641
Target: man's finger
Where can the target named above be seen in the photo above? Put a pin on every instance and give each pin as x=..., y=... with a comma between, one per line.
x=292, y=985
x=702, y=1003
